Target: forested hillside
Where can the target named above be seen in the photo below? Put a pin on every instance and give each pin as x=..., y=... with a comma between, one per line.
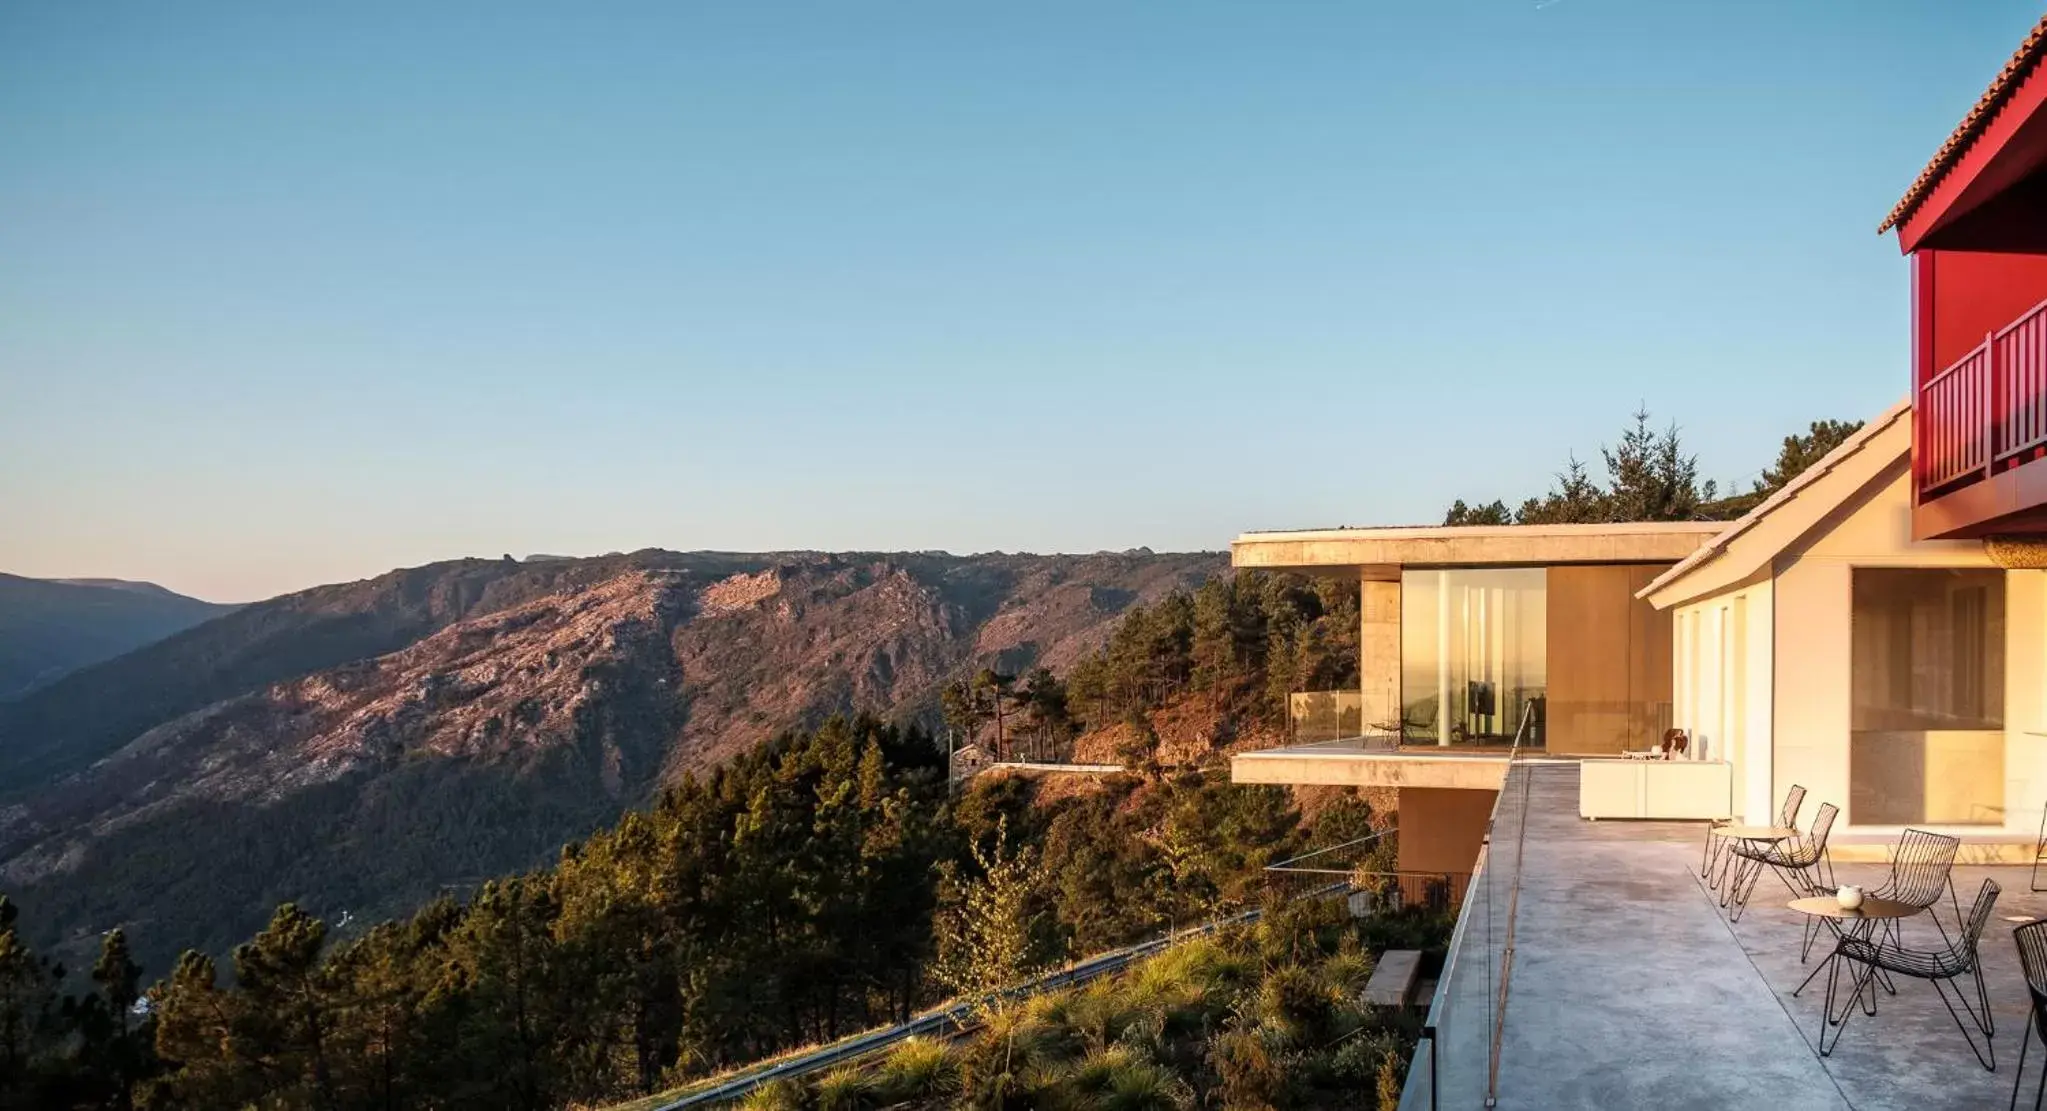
x=810, y=887
x=364, y=747
x=1210, y=665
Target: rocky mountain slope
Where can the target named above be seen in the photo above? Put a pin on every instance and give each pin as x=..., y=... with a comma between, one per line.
x=49, y=627
x=362, y=747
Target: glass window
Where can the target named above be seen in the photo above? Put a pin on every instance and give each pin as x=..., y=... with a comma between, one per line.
x=1928, y=649
x=1927, y=697
x=1472, y=655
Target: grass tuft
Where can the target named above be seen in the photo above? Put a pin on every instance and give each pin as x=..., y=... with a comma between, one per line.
x=918, y=1068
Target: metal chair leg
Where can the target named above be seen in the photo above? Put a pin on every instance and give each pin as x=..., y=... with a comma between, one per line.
x=2018, y=1073
x=1987, y=1054
x=1744, y=885
x=1858, y=977
x=1985, y=1021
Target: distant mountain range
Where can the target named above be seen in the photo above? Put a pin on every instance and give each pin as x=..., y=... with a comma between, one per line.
x=51, y=627
x=364, y=746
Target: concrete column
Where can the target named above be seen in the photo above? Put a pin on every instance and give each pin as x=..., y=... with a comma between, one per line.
x=1379, y=655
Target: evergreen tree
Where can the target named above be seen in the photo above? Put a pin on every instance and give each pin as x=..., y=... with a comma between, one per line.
x=287, y=1007
x=822, y=883
x=1801, y=451
x=1575, y=499
x=33, y=1017
x=114, y=1053
x=1491, y=513
x=993, y=687
x=1650, y=477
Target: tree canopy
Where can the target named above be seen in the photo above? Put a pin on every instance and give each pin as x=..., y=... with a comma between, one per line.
x=1649, y=476
x=825, y=883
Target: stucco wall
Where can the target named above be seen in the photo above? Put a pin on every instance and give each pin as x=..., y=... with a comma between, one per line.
x=1723, y=664
x=1814, y=584
x=1763, y=673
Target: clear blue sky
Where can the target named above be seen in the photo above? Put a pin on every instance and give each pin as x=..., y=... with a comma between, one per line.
x=290, y=296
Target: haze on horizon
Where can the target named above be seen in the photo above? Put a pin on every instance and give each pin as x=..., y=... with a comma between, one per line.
x=298, y=296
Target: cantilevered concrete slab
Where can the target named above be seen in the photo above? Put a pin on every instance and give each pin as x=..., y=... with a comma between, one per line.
x=1380, y=553
x=1369, y=762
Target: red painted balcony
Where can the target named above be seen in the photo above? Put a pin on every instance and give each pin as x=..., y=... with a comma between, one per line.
x=1987, y=412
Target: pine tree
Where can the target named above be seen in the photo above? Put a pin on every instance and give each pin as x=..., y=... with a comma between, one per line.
x=116, y=1053
x=288, y=1005
x=1492, y=513
x=1800, y=452
x=993, y=688
x=197, y=1041
x=1575, y=499
x=32, y=1015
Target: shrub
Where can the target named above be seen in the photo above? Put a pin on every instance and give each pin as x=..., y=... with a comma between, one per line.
x=1123, y=1079
x=918, y=1068
x=845, y=1088
x=1348, y=971
x=775, y=1095
x=1294, y=1003
x=1249, y=1071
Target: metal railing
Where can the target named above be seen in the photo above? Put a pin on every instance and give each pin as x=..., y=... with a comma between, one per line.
x=1441, y=892
x=2019, y=368
x=1986, y=407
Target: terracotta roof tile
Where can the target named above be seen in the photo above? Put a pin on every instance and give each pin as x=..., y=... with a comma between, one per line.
x=2022, y=62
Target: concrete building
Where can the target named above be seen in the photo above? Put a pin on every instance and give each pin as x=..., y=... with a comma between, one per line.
x=1475, y=638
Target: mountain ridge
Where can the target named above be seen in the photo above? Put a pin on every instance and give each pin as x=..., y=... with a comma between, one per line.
x=52, y=627
x=359, y=747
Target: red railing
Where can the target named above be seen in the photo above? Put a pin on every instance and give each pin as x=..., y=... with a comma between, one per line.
x=1988, y=407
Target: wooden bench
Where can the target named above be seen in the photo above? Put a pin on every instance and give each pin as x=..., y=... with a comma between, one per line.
x=1394, y=978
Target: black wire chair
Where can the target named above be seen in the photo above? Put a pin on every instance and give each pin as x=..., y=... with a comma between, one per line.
x=1922, y=866
x=1801, y=862
x=1940, y=967
x=2031, y=939
x=1716, y=847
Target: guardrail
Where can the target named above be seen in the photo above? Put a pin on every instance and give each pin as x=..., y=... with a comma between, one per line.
x=955, y=1019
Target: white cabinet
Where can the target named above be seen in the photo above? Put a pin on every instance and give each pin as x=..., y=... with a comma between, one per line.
x=1674, y=789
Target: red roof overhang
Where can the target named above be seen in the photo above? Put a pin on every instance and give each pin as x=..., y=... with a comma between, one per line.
x=1965, y=198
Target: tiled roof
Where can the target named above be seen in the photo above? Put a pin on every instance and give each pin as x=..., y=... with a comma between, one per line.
x=2022, y=62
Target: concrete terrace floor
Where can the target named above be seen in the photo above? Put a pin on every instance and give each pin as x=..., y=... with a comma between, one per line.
x=1630, y=988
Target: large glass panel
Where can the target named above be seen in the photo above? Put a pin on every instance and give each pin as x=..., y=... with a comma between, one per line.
x=1927, y=697
x=1472, y=655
